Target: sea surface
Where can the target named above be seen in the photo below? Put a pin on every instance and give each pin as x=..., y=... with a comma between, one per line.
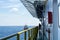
x=8, y=30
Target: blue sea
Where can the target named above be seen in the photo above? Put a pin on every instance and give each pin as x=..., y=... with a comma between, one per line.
x=8, y=30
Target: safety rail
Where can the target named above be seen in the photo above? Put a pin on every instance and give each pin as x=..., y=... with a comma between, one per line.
x=32, y=34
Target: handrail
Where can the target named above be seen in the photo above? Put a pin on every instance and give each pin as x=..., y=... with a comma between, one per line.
x=32, y=34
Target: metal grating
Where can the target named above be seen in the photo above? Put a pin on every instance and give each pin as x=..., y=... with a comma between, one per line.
x=31, y=6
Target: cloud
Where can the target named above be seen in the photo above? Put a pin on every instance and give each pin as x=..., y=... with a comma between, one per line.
x=17, y=15
x=1, y=1
x=10, y=3
x=14, y=9
x=14, y=0
x=17, y=20
x=12, y=6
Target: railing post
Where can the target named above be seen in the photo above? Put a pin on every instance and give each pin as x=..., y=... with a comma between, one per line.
x=29, y=35
x=18, y=36
x=25, y=28
x=32, y=35
x=24, y=35
x=35, y=32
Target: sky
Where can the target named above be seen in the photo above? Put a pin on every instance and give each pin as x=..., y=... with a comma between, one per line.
x=13, y=13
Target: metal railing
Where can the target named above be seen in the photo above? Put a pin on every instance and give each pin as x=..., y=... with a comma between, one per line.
x=32, y=34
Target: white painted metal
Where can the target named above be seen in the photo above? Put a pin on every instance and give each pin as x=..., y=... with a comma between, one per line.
x=55, y=20
x=50, y=4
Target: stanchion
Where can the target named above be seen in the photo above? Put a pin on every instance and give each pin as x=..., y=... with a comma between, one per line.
x=25, y=28
x=48, y=33
x=18, y=36
x=29, y=35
